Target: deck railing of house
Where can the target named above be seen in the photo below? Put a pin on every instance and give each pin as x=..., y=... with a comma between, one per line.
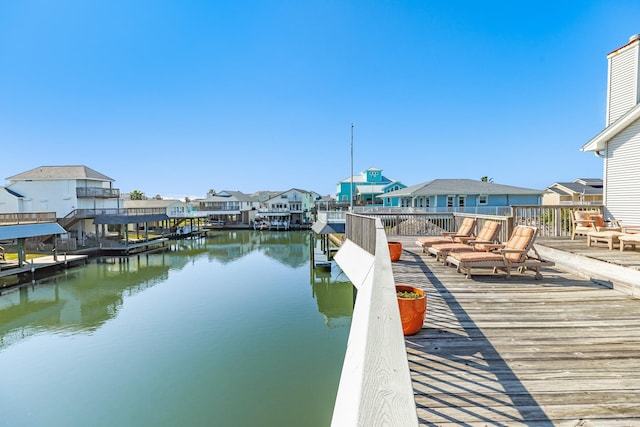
x=27, y=217
x=551, y=220
x=105, y=193
x=375, y=385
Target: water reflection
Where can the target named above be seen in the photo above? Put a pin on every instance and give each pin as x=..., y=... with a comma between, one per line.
x=84, y=298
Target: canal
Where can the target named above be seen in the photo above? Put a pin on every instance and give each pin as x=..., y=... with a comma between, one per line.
x=234, y=329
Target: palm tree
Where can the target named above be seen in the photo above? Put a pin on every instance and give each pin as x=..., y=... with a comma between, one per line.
x=486, y=179
x=211, y=193
x=136, y=195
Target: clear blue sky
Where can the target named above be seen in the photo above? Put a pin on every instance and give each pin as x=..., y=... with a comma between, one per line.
x=178, y=97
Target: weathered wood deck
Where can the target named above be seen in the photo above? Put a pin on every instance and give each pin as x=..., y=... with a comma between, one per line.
x=559, y=351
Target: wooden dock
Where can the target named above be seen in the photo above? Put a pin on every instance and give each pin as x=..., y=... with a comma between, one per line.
x=561, y=351
x=39, y=264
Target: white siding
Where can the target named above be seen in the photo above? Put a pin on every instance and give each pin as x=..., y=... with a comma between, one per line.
x=622, y=172
x=623, y=82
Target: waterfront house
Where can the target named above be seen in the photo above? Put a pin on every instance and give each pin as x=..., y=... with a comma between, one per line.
x=366, y=187
x=619, y=143
x=294, y=205
x=177, y=211
x=230, y=207
x=75, y=193
x=461, y=195
x=580, y=191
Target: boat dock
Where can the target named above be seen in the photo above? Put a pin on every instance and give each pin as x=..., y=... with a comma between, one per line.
x=41, y=264
x=558, y=351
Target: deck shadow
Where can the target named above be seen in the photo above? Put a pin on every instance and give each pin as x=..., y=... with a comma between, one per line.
x=459, y=377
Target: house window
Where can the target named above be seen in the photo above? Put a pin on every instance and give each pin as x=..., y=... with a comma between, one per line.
x=461, y=201
x=482, y=200
x=405, y=203
x=426, y=202
x=449, y=201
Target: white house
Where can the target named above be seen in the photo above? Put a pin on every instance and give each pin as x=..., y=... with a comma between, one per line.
x=232, y=207
x=619, y=143
x=295, y=204
x=76, y=193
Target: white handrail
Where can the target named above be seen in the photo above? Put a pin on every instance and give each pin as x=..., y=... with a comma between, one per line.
x=375, y=386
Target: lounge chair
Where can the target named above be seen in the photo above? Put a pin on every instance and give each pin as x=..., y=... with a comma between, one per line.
x=487, y=237
x=465, y=230
x=584, y=222
x=513, y=254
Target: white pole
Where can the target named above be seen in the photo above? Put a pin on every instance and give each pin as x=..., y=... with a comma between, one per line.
x=351, y=188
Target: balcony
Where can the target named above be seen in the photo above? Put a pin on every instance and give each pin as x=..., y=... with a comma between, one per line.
x=99, y=192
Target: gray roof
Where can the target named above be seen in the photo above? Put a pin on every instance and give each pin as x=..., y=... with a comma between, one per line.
x=60, y=172
x=151, y=203
x=129, y=219
x=13, y=193
x=574, y=188
x=240, y=196
x=458, y=187
x=21, y=231
x=328, y=228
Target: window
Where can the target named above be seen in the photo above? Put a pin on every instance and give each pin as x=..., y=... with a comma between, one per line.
x=449, y=201
x=482, y=200
x=461, y=201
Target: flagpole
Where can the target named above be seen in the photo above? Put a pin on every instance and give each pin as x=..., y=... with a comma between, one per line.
x=351, y=194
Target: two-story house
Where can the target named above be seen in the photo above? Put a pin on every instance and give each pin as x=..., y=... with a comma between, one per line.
x=75, y=193
x=618, y=144
x=294, y=205
x=230, y=207
x=366, y=187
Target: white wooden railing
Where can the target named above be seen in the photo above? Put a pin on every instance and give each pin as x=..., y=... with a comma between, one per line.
x=375, y=386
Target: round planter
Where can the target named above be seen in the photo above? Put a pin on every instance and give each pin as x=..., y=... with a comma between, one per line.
x=412, y=311
x=395, y=250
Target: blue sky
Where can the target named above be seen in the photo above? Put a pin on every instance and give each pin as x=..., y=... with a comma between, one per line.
x=179, y=97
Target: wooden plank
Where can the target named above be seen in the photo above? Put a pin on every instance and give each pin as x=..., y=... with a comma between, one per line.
x=559, y=351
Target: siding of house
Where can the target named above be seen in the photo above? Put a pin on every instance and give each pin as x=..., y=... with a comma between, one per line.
x=621, y=167
x=623, y=82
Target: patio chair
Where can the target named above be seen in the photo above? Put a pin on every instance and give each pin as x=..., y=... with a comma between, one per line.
x=487, y=237
x=584, y=222
x=465, y=230
x=513, y=254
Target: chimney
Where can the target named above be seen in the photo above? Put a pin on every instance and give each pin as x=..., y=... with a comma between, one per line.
x=623, y=83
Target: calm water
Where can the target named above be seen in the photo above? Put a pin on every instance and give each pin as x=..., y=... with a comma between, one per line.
x=232, y=330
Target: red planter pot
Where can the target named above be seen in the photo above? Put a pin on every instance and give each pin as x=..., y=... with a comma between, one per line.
x=412, y=311
x=395, y=250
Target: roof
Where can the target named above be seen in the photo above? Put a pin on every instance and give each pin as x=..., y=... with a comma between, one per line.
x=42, y=173
x=151, y=203
x=13, y=193
x=574, y=188
x=599, y=142
x=129, y=219
x=21, y=231
x=459, y=186
x=328, y=228
x=240, y=196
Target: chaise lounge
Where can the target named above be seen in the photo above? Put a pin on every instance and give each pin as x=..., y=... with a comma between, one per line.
x=485, y=241
x=513, y=254
x=464, y=231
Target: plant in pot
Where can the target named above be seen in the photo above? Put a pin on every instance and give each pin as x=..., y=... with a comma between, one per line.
x=395, y=250
x=413, y=306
